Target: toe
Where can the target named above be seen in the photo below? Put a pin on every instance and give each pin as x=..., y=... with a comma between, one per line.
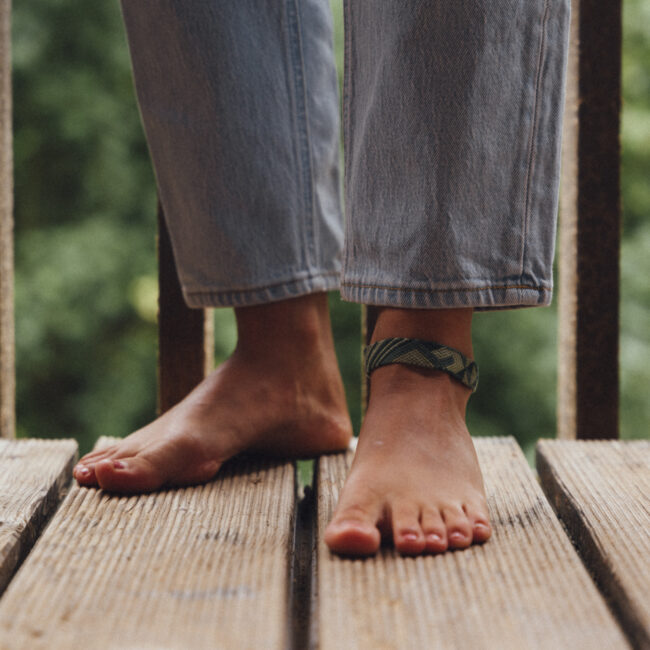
x=407, y=533
x=128, y=475
x=95, y=456
x=85, y=475
x=433, y=528
x=84, y=470
x=479, y=522
x=353, y=531
x=459, y=529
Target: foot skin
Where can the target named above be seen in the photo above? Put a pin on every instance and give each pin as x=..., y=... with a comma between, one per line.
x=415, y=477
x=280, y=394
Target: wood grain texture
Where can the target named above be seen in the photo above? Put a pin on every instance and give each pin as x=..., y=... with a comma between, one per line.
x=525, y=588
x=369, y=316
x=185, y=336
x=7, y=378
x=601, y=491
x=200, y=567
x=33, y=476
x=590, y=225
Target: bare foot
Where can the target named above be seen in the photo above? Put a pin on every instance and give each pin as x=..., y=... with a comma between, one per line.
x=279, y=394
x=415, y=477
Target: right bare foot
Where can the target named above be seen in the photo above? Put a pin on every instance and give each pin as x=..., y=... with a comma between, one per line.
x=415, y=478
x=279, y=394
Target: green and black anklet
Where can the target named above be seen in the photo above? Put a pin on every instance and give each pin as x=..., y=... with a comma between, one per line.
x=426, y=354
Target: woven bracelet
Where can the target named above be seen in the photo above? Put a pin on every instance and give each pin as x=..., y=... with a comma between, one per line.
x=426, y=354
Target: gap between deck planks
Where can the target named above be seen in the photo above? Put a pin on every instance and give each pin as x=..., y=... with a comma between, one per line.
x=601, y=491
x=209, y=566
x=201, y=567
x=525, y=588
x=33, y=476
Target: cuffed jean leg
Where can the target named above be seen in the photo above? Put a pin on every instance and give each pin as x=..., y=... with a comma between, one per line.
x=239, y=104
x=452, y=120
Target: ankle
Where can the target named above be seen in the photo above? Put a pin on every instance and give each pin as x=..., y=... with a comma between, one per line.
x=452, y=327
x=286, y=328
x=404, y=382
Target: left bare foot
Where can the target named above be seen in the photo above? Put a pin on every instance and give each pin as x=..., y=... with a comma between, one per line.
x=415, y=477
x=279, y=394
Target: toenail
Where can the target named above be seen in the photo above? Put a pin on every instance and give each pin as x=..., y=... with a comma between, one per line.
x=351, y=522
x=410, y=537
x=433, y=537
x=457, y=537
x=118, y=464
x=83, y=471
x=482, y=530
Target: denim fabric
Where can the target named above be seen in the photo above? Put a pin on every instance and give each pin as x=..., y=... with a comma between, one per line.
x=452, y=124
x=240, y=106
x=452, y=121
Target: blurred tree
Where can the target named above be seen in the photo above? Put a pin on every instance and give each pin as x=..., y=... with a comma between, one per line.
x=85, y=215
x=635, y=257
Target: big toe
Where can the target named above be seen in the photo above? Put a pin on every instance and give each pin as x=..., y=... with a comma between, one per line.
x=128, y=475
x=84, y=470
x=353, y=532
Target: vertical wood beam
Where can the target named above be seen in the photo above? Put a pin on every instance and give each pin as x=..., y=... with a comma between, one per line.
x=590, y=226
x=185, y=341
x=369, y=316
x=7, y=373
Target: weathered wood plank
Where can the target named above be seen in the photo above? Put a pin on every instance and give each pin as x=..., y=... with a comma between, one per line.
x=525, y=588
x=185, y=341
x=590, y=225
x=601, y=491
x=7, y=380
x=200, y=567
x=33, y=476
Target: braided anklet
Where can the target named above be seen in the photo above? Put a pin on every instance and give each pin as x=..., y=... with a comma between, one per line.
x=426, y=354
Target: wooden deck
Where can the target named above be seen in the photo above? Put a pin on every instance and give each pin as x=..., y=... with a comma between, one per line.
x=240, y=562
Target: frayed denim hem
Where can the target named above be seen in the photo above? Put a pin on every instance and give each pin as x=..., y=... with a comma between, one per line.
x=206, y=298
x=480, y=298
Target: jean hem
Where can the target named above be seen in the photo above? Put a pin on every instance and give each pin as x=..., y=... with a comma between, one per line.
x=480, y=298
x=206, y=298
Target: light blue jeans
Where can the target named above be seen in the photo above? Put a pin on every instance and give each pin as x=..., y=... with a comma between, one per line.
x=452, y=119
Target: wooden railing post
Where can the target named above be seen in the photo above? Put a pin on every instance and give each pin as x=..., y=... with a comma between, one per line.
x=7, y=377
x=185, y=345
x=369, y=316
x=590, y=226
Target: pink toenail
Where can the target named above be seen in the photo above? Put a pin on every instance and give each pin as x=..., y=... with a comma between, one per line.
x=83, y=471
x=118, y=464
x=434, y=538
x=482, y=531
x=410, y=537
x=352, y=523
x=457, y=537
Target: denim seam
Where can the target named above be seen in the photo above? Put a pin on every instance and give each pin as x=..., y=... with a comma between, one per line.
x=446, y=290
x=488, y=299
x=347, y=124
x=208, y=298
x=271, y=285
x=302, y=126
x=533, y=134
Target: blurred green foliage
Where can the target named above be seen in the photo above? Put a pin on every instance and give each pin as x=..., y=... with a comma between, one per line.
x=85, y=255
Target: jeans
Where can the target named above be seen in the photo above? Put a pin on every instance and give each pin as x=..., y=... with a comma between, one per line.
x=451, y=117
